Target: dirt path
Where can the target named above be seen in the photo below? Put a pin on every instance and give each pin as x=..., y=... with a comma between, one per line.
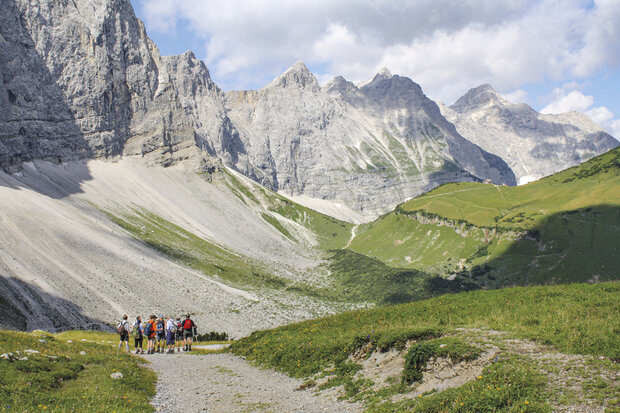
x=226, y=383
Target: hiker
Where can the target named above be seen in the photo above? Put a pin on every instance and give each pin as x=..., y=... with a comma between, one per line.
x=171, y=333
x=123, y=330
x=149, y=333
x=138, y=334
x=161, y=334
x=188, y=328
x=179, y=335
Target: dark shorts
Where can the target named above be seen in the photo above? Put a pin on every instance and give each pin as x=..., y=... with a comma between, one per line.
x=161, y=336
x=138, y=341
x=170, y=339
x=125, y=336
x=187, y=333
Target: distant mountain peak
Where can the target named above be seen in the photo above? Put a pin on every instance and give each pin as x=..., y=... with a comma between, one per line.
x=478, y=96
x=385, y=72
x=297, y=75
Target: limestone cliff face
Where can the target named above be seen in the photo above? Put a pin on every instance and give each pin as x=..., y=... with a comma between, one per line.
x=533, y=144
x=82, y=78
x=368, y=148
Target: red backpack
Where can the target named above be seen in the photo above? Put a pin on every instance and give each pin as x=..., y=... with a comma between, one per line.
x=187, y=324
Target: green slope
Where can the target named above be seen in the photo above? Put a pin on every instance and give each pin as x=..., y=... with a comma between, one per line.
x=576, y=318
x=562, y=228
x=281, y=212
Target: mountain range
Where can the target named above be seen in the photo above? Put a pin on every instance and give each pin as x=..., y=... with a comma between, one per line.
x=130, y=182
x=83, y=80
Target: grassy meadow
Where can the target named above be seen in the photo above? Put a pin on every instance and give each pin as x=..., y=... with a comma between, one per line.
x=70, y=372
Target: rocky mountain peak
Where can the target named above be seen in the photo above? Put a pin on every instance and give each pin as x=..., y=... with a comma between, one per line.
x=382, y=75
x=298, y=76
x=482, y=95
x=340, y=86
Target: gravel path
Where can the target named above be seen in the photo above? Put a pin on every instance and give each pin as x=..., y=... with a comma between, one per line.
x=226, y=383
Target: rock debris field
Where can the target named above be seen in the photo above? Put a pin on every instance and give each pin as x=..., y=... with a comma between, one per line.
x=226, y=383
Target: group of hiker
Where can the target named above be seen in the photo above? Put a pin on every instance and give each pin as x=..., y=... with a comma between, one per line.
x=160, y=333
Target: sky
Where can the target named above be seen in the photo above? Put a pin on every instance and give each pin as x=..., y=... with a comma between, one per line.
x=555, y=55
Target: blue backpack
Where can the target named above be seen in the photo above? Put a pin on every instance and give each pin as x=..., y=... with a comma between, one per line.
x=147, y=329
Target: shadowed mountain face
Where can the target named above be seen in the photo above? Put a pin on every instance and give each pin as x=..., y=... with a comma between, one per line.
x=533, y=144
x=35, y=121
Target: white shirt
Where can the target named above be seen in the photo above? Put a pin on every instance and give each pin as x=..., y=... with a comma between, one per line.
x=170, y=324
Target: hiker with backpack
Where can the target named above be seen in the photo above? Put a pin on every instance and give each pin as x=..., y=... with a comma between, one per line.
x=138, y=335
x=161, y=334
x=179, y=335
x=149, y=333
x=123, y=330
x=171, y=333
x=188, y=332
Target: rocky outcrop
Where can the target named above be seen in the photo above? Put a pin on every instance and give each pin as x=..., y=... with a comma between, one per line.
x=534, y=145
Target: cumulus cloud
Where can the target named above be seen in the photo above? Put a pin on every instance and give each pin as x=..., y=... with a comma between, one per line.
x=516, y=96
x=446, y=46
x=572, y=101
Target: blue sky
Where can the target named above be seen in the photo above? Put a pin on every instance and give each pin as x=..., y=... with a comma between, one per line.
x=555, y=55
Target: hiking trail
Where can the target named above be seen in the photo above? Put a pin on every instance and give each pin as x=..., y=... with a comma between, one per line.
x=222, y=382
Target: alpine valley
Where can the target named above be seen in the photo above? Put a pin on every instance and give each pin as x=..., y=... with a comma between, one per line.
x=131, y=183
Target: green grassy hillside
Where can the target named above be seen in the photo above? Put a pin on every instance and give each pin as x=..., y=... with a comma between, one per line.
x=562, y=228
x=576, y=318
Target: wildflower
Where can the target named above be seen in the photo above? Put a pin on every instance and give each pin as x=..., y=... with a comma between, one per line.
x=419, y=395
x=526, y=402
x=462, y=404
x=479, y=377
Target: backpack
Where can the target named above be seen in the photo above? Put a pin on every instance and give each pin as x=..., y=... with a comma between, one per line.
x=160, y=327
x=121, y=328
x=147, y=329
x=173, y=329
x=187, y=324
x=136, y=330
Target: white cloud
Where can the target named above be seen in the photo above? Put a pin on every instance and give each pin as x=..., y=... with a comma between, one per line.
x=567, y=99
x=614, y=128
x=600, y=115
x=446, y=46
x=516, y=96
x=573, y=101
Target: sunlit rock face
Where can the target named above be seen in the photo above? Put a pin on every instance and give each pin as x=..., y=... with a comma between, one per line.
x=368, y=147
x=532, y=144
